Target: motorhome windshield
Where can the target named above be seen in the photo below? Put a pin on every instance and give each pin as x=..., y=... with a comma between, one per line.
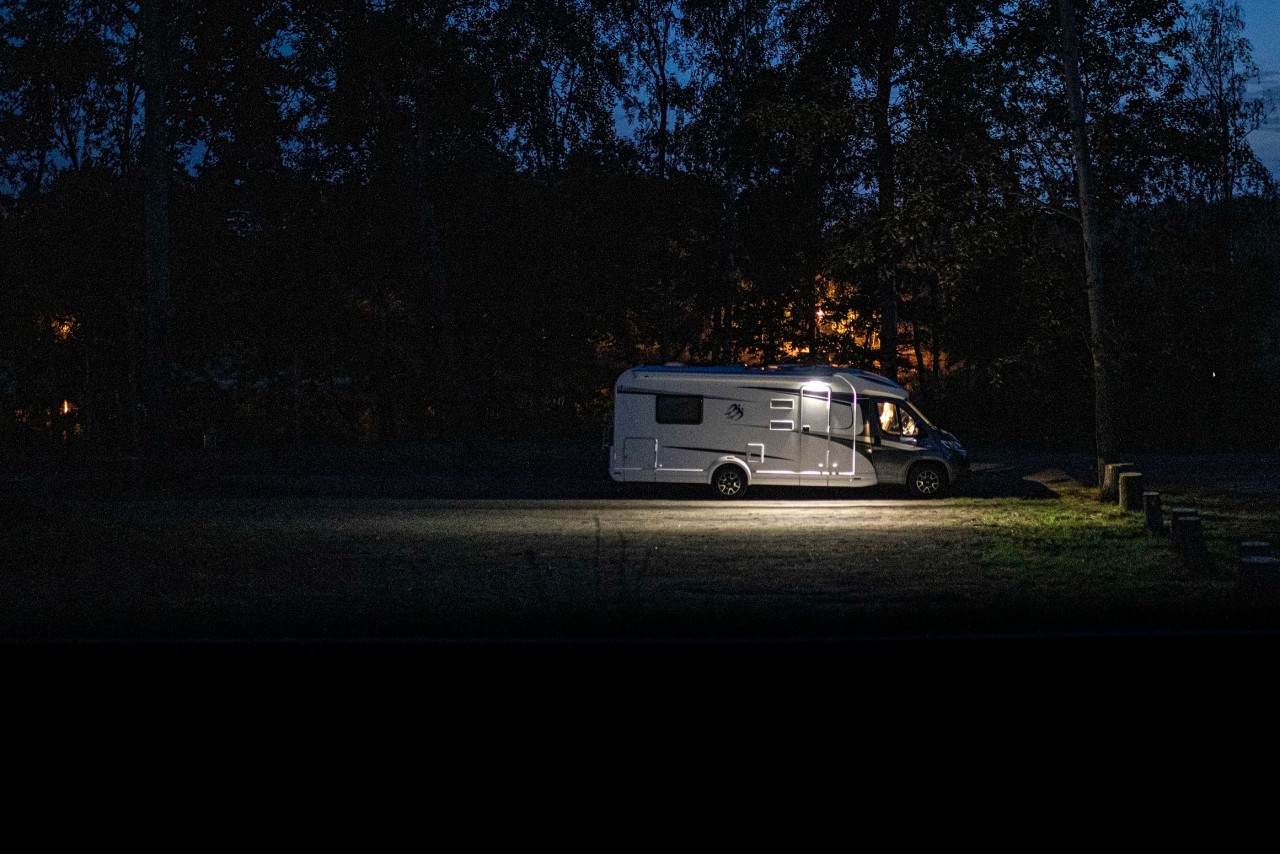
x=920, y=416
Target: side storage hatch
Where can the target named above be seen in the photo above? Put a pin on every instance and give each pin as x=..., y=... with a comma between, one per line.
x=639, y=458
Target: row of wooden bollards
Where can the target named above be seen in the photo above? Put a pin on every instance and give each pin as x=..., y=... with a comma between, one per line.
x=1258, y=568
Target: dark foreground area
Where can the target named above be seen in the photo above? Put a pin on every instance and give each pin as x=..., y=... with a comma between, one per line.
x=527, y=558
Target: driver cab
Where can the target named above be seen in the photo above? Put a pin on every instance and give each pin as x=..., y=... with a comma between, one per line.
x=899, y=437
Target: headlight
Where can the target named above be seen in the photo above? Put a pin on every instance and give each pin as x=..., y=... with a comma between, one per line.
x=952, y=444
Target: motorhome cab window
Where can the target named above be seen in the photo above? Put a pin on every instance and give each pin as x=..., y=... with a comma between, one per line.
x=896, y=420
x=678, y=409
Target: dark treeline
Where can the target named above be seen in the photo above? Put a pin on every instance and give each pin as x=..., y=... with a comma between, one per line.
x=423, y=219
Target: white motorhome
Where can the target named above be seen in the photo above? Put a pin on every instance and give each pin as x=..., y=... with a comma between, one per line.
x=731, y=426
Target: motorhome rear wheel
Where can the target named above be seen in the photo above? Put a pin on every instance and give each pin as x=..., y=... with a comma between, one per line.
x=729, y=482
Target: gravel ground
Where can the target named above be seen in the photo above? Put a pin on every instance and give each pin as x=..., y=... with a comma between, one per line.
x=378, y=550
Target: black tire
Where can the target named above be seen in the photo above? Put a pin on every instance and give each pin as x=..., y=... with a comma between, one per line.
x=729, y=482
x=927, y=480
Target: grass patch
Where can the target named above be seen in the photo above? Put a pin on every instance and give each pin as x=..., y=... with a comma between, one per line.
x=1066, y=539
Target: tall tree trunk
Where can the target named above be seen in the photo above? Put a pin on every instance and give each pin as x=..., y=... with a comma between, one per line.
x=126, y=133
x=451, y=347
x=918, y=346
x=664, y=92
x=41, y=162
x=385, y=397
x=155, y=40
x=664, y=109
x=726, y=349
x=448, y=335
x=1099, y=331
x=888, y=38
x=814, y=329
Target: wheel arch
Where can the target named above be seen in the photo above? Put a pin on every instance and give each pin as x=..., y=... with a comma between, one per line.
x=937, y=461
x=733, y=460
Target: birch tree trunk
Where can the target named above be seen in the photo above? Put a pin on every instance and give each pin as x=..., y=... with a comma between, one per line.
x=156, y=173
x=885, y=179
x=1086, y=187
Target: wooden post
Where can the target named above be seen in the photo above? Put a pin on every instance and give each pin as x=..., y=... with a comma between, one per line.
x=1195, y=554
x=1155, y=518
x=1254, y=548
x=1111, y=481
x=1177, y=516
x=1131, y=491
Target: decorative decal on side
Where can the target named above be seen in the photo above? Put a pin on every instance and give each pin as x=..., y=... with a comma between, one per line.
x=734, y=413
x=719, y=451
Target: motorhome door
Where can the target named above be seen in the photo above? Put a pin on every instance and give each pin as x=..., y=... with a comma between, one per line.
x=846, y=421
x=815, y=434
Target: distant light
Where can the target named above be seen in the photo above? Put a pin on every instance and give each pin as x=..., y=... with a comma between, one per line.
x=64, y=327
x=66, y=407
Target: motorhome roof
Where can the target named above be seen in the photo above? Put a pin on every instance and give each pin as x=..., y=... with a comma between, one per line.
x=798, y=372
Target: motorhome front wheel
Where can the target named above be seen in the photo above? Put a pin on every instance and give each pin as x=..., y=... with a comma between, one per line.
x=927, y=481
x=729, y=482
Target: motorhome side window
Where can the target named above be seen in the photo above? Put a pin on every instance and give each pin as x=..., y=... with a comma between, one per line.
x=895, y=420
x=678, y=409
x=841, y=415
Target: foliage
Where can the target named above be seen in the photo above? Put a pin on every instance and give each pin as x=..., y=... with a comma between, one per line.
x=389, y=215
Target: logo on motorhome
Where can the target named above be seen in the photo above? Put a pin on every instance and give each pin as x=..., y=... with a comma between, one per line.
x=733, y=413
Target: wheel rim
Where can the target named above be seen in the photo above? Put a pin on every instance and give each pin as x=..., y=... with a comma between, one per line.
x=928, y=482
x=729, y=482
